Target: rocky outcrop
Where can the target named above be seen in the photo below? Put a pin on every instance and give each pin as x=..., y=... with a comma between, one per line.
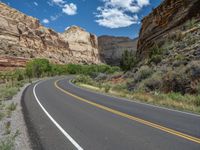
x=164, y=20
x=23, y=36
x=83, y=45
x=8, y=63
x=111, y=48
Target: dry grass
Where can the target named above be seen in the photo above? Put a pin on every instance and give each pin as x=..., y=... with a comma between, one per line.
x=172, y=100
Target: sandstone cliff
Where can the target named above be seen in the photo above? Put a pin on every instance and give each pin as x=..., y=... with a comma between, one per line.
x=83, y=45
x=163, y=20
x=23, y=36
x=111, y=48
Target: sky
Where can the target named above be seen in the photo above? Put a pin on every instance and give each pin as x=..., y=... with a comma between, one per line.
x=100, y=17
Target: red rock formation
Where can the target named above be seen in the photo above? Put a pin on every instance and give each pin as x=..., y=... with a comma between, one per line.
x=10, y=63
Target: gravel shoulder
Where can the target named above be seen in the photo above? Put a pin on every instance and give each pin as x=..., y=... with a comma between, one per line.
x=13, y=124
x=22, y=141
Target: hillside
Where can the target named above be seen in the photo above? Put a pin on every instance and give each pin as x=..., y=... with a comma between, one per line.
x=168, y=48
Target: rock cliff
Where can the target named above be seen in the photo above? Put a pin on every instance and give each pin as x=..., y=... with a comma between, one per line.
x=111, y=48
x=83, y=45
x=167, y=18
x=169, y=48
x=24, y=36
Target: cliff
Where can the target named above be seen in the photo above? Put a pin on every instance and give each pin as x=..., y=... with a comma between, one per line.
x=169, y=49
x=23, y=36
x=164, y=20
x=83, y=45
x=111, y=48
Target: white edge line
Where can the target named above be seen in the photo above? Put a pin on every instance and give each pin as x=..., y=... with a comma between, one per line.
x=132, y=101
x=55, y=123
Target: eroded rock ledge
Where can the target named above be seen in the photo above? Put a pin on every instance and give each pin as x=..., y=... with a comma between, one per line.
x=165, y=19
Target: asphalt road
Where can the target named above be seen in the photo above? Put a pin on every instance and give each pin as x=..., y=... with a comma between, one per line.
x=62, y=116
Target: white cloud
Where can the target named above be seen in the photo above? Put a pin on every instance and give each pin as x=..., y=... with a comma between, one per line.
x=119, y=13
x=142, y=3
x=46, y=21
x=35, y=3
x=114, y=18
x=70, y=9
x=58, y=2
x=128, y=5
x=67, y=8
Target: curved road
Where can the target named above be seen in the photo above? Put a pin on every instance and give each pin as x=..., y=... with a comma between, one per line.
x=62, y=116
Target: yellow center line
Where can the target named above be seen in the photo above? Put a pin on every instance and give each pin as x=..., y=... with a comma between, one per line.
x=148, y=123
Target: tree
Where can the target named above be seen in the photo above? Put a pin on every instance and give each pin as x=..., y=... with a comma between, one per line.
x=128, y=60
x=38, y=67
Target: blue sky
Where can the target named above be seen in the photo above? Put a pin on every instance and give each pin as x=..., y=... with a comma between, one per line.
x=101, y=17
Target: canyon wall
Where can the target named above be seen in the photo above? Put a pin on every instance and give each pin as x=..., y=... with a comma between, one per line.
x=111, y=48
x=167, y=18
x=23, y=36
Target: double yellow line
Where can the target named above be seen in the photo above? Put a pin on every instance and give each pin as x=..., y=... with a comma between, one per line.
x=148, y=123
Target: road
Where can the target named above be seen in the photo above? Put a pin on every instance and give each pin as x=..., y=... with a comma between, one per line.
x=62, y=116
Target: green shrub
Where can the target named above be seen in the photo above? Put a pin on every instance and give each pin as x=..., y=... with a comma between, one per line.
x=156, y=59
x=103, y=68
x=119, y=87
x=143, y=73
x=7, y=92
x=197, y=101
x=113, y=70
x=180, y=57
x=176, y=96
x=19, y=75
x=153, y=83
x=91, y=69
x=128, y=61
x=176, y=81
x=155, y=50
x=193, y=69
x=7, y=144
x=83, y=79
x=37, y=68
x=74, y=69
x=107, y=88
x=57, y=69
x=12, y=107
x=1, y=115
x=189, y=24
x=168, y=44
